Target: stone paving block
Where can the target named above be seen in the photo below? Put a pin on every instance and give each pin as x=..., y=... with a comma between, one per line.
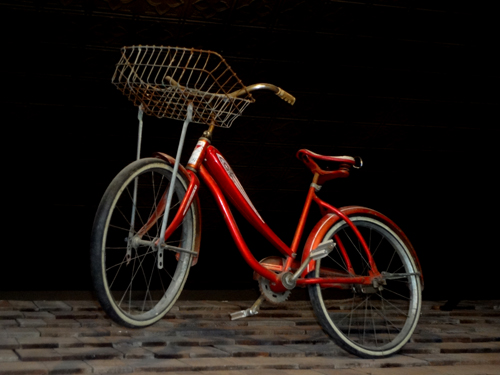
x=261, y=330
x=52, y=306
x=10, y=315
x=261, y=340
x=24, y=305
x=201, y=315
x=306, y=322
x=68, y=332
x=261, y=351
x=439, y=320
x=161, y=365
x=271, y=323
x=5, y=305
x=135, y=353
x=9, y=343
x=31, y=322
x=8, y=356
x=150, y=331
x=48, y=354
x=94, y=322
x=17, y=332
x=23, y=368
x=188, y=352
x=420, y=348
x=427, y=338
x=482, y=328
x=452, y=359
x=398, y=360
x=244, y=363
x=83, y=305
x=199, y=341
x=205, y=332
x=473, y=347
x=332, y=362
x=49, y=342
x=217, y=364
x=111, y=366
x=453, y=328
x=110, y=341
x=204, y=305
x=154, y=341
x=282, y=372
x=70, y=314
x=318, y=350
x=434, y=370
x=67, y=367
x=87, y=353
x=456, y=337
x=281, y=314
x=309, y=338
x=7, y=323
x=291, y=330
x=63, y=323
x=115, y=330
x=470, y=320
x=38, y=315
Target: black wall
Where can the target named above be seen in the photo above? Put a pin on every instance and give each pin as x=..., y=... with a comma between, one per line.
x=409, y=86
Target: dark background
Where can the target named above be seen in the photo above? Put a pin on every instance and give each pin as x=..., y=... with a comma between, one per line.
x=411, y=86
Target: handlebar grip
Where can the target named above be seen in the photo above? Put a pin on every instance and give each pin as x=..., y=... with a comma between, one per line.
x=285, y=96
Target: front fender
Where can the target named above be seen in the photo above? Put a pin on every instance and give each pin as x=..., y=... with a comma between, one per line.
x=327, y=221
x=195, y=204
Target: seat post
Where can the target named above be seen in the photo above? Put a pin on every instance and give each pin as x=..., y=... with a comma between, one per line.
x=303, y=217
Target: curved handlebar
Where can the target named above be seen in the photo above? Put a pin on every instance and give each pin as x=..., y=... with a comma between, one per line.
x=265, y=86
x=258, y=86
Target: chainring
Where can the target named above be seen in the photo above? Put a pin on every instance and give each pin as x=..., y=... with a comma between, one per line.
x=264, y=286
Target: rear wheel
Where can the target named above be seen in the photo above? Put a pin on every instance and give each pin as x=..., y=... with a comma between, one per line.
x=132, y=289
x=368, y=321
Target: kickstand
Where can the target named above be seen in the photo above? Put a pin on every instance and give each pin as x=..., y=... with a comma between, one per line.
x=254, y=310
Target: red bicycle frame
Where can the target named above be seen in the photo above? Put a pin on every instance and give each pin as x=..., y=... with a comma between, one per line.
x=217, y=174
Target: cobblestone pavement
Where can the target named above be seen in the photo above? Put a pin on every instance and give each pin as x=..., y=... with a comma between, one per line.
x=197, y=337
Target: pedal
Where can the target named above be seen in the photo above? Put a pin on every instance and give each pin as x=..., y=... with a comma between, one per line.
x=322, y=250
x=240, y=314
x=254, y=310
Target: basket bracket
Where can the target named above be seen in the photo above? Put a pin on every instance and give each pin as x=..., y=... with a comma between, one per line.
x=131, y=234
x=171, y=189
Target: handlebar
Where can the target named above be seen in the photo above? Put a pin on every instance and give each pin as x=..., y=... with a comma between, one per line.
x=258, y=86
x=265, y=86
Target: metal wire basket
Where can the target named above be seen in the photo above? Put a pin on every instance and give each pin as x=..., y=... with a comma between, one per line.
x=166, y=79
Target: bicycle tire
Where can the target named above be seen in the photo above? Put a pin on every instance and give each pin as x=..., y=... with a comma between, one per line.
x=369, y=323
x=133, y=291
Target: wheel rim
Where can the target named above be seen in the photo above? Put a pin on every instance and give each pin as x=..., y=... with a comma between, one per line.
x=139, y=292
x=373, y=322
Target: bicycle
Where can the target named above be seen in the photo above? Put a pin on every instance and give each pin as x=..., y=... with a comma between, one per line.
x=362, y=273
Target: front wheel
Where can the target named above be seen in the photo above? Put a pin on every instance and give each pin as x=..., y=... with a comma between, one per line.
x=130, y=285
x=368, y=321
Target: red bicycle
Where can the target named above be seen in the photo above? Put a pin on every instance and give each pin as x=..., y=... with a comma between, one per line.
x=363, y=275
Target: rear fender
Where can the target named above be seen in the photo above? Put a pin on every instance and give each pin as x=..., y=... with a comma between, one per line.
x=195, y=204
x=331, y=219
